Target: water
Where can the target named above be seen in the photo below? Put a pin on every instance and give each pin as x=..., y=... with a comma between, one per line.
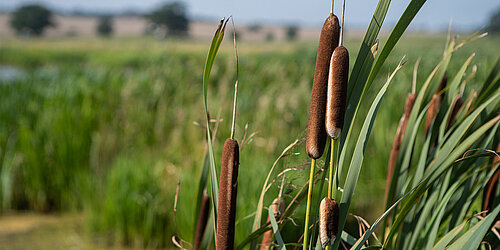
x=11, y=73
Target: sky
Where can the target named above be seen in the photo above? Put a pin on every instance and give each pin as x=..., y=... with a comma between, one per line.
x=435, y=15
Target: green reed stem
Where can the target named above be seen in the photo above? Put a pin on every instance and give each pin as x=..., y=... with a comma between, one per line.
x=335, y=159
x=332, y=180
x=330, y=175
x=308, y=207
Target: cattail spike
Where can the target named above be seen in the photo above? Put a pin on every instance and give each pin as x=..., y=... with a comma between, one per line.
x=337, y=91
x=316, y=134
x=228, y=185
x=328, y=221
x=202, y=220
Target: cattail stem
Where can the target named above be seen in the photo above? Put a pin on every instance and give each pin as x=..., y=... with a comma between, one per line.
x=331, y=10
x=236, y=82
x=308, y=206
x=341, y=39
x=330, y=175
x=333, y=179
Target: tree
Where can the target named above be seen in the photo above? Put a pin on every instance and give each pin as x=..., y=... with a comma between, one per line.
x=291, y=32
x=105, y=26
x=494, y=25
x=172, y=17
x=31, y=19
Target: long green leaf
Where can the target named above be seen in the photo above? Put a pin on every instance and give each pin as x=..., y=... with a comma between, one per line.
x=358, y=156
x=430, y=179
x=359, y=74
x=277, y=235
x=361, y=241
x=212, y=53
x=473, y=237
x=449, y=237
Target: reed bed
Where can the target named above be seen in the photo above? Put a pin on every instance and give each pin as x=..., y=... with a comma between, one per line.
x=116, y=147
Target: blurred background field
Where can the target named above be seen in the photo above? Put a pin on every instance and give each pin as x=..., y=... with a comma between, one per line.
x=95, y=133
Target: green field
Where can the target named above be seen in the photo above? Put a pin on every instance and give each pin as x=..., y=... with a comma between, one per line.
x=106, y=128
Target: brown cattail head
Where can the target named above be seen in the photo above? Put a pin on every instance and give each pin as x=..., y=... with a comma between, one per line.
x=442, y=84
x=456, y=105
x=328, y=220
x=227, y=195
x=491, y=187
x=316, y=134
x=398, y=139
x=410, y=101
x=435, y=104
x=337, y=91
x=202, y=221
x=278, y=207
x=393, y=157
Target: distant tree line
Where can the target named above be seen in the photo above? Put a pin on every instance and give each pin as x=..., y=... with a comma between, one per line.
x=33, y=19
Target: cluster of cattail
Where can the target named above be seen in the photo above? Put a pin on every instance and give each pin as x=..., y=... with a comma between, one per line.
x=278, y=207
x=326, y=115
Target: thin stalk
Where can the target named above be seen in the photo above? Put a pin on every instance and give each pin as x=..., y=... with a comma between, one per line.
x=331, y=10
x=335, y=182
x=233, y=125
x=333, y=179
x=341, y=39
x=330, y=175
x=308, y=207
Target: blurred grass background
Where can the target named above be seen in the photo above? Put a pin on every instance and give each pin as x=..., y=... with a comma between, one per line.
x=104, y=128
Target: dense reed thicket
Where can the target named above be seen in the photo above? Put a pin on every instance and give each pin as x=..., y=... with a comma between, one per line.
x=92, y=129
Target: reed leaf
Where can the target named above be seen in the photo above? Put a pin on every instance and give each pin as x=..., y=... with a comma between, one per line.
x=358, y=156
x=276, y=231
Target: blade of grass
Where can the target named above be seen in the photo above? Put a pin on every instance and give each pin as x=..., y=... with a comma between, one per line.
x=258, y=211
x=276, y=231
x=473, y=237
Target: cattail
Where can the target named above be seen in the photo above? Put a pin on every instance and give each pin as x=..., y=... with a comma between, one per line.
x=435, y=103
x=278, y=208
x=337, y=91
x=202, y=221
x=456, y=105
x=227, y=195
x=328, y=220
x=491, y=187
x=316, y=134
x=410, y=101
x=398, y=139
